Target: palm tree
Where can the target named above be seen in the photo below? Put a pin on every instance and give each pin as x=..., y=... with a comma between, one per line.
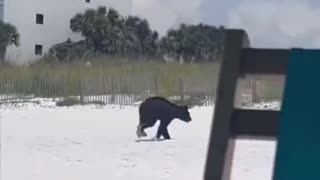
x=8, y=36
x=193, y=42
x=147, y=39
x=102, y=29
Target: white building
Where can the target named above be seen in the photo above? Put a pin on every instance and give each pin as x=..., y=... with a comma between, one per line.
x=43, y=23
x=1, y=10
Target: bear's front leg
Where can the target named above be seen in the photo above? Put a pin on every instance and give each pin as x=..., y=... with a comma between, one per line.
x=159, y=132
x=163, y=131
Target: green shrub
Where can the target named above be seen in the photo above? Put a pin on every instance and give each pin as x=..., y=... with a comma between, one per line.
x=96, y=103
x=69, y=101
x=190, y=102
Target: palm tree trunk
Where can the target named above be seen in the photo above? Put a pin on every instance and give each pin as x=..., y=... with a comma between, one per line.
x=2, y=54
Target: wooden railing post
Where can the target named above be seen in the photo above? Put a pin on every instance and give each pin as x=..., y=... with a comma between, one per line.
x=221, y=143
x=81, y=92
x=181, y=90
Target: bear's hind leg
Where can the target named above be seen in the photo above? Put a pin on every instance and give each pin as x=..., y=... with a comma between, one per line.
x=140, y=131
x=144, y=123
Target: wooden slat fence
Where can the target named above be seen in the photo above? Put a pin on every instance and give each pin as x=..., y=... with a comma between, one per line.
x=27, y=89
x=127, y=90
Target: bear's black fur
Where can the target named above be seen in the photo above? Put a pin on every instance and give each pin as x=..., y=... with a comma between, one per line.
x=159, y=108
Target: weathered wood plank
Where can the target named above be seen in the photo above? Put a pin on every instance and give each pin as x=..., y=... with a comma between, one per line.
x=257, y=123
x=221, y=143
x=264, y=61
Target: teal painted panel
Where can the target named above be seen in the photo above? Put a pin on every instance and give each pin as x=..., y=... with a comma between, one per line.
x=298, y=148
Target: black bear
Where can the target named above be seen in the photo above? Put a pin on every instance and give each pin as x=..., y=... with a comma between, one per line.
x=159, y=108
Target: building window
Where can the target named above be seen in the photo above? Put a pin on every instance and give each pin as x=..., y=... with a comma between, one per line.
x=38, y=49
x=39, y=18
x=87, y=1
x=1, y=12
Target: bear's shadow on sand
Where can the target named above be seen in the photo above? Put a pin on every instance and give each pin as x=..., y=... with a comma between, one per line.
x=152, y=140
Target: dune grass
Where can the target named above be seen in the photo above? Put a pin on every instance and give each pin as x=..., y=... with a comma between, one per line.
x=165, y=76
